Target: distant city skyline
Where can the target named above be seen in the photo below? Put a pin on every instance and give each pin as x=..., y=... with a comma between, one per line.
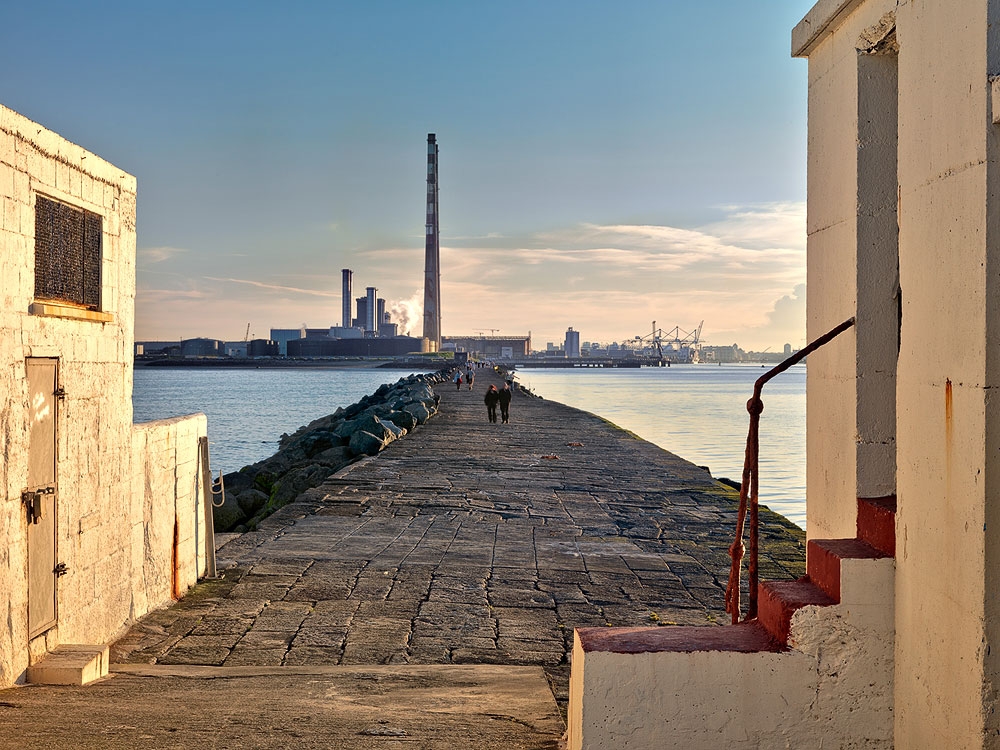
x=599, y=168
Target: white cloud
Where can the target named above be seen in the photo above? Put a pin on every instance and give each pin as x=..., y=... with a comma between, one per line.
x=159, y=254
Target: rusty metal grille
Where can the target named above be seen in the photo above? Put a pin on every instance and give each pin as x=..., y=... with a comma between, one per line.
x=67, y=253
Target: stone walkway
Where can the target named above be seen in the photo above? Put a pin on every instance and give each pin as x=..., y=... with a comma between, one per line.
x=468, y=543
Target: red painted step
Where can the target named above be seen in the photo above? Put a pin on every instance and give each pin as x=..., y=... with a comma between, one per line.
x=877, y=522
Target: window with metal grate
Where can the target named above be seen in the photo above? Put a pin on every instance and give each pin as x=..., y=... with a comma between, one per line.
x=67, y=253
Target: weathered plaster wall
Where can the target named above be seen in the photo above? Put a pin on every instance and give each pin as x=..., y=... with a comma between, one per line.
x=946, y=478
x=947, y=433
x=96, y=517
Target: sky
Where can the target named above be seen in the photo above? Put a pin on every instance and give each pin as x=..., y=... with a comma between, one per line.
x=602, y=165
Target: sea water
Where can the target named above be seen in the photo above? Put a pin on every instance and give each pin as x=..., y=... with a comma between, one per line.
x=695, y=411
x=248, y=409
x=699, y=413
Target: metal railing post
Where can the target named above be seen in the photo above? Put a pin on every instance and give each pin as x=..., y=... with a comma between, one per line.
x=749, y=487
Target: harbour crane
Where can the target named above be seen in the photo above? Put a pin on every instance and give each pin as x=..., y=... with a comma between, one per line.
x=681, y=345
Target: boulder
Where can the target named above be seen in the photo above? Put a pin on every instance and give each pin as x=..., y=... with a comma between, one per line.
x=372, y=424
x=365, y=443
x=403, y=419
x=251, y=501
x=420, y=412
x=229, y=514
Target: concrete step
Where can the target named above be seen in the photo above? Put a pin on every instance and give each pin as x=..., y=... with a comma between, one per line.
x=70, y=664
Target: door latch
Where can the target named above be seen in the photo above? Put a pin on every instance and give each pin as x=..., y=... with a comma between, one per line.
x=32, y=500
x=61, y=569
x=60, y=393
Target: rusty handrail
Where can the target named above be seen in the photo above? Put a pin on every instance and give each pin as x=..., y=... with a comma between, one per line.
x=749, y=485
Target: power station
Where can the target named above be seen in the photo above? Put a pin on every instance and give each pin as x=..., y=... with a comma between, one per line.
x=432, y=253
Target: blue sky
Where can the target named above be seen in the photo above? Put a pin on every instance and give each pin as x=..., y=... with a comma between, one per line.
x=602, y=165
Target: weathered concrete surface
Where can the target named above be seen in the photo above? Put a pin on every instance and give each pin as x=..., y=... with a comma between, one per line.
x=468, y=542
x=348, y=708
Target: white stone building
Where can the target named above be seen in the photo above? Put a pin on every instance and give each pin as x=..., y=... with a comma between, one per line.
x=893, y=640
x=101, y=520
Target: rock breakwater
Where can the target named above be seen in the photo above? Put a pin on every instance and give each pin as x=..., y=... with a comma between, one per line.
x=307, y=457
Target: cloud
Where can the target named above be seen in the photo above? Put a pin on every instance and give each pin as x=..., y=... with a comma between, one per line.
x=159, y=254
x=743, y=274
x=278, y=287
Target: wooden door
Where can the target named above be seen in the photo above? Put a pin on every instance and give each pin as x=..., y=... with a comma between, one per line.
x=40, y=498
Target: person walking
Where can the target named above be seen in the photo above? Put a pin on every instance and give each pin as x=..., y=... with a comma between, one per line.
x=470, y=377
x=491, y=399
x=458, y=380
x=504, y=398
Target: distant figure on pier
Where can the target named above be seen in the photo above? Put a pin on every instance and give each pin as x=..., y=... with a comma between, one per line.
x=505, y=394
x=491, y=399
x=470, y=377
x=458, y=380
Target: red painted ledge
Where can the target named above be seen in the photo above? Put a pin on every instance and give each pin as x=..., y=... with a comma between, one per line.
x=743, y=638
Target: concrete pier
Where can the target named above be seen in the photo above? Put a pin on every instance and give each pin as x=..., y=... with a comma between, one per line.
x=465, y=543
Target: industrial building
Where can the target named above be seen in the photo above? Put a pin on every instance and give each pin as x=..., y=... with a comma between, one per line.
x=356, y=347
x=489, y=347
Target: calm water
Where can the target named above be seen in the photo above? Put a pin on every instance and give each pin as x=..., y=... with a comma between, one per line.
x=699, y=412
x=696, y=411
x=249, y=409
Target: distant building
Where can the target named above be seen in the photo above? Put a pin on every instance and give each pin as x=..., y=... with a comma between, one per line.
x=339, y=332
x=158, y=348
x=723, y=354
x=366, y=347
x=281, y=336
x=572, y=344
x=489, y=347
x=262, y=348
x=202, y=347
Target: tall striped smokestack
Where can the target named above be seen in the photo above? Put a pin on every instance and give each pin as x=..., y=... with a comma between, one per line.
x=432, y=253
x=348, y=273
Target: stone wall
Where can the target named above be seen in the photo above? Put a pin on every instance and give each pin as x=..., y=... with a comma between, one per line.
x=96, y=518
x=166, y=513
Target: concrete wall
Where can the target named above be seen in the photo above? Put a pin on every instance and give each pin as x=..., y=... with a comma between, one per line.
x=833, y=227
x=947, y=426
x=701, y=699
x=97, y=516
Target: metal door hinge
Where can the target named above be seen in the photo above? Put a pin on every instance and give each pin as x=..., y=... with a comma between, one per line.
x=59, y=393
x=61, y=569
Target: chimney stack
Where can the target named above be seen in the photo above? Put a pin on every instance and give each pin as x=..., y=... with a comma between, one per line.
x=432, y=253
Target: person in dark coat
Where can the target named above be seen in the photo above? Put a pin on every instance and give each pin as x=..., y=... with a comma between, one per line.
x=492, y=398
x=505, y=394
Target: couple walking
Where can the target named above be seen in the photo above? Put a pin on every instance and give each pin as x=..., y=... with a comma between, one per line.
x=501, y=397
